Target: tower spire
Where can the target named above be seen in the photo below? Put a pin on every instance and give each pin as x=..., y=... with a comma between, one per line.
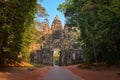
x=56, y=18
x=56, y=24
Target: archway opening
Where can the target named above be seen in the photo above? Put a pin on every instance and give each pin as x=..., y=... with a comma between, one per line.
x=56, y=57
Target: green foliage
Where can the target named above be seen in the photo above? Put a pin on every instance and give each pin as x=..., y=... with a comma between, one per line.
x=99, y=22
x=17, y=29
x=56, y=54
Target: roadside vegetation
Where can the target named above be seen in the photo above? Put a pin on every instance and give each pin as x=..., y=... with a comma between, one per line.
x=18, y=30
x=99, y=24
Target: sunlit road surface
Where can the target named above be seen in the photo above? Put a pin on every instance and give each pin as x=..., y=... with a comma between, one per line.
x=59, y=73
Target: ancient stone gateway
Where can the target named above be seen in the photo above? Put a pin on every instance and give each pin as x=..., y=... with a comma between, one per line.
x=62, y=40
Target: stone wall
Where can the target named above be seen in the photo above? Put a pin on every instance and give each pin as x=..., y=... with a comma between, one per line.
x=58, y=38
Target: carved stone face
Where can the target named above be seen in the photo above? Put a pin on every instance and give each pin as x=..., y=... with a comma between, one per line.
x=57, y=34
x=56, y=25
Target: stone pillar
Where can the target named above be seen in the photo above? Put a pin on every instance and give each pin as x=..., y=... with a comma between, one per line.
x=51, y=58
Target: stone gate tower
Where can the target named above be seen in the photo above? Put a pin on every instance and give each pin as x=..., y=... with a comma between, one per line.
x=61, y=39
x=56, y=24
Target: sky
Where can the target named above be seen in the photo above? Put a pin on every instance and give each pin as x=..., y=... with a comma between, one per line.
x=51, y=9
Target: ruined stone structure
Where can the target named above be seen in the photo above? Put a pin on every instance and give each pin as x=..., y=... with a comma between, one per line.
x=60, y=39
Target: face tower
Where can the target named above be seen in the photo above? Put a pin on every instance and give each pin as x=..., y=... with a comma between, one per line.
x=56, y=28
x=56, y=24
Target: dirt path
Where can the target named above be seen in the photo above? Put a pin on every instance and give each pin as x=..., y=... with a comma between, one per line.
x=36, y=74
x=59, y=73
x=95, y=75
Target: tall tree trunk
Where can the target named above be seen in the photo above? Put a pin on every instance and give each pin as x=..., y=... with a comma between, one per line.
x=94, y=50
x=113, y=40
x=1, y=49
x=86, y=53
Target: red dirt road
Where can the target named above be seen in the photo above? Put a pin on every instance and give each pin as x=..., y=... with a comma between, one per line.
x=40, y=73
x=60, y=73
x=95, y=75
x=36, y=74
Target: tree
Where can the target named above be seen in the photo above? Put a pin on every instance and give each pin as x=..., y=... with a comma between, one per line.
x=98, y=21
x=17, y=29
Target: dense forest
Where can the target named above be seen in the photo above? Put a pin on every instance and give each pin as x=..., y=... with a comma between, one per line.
x=99, y=23
x=17, y=29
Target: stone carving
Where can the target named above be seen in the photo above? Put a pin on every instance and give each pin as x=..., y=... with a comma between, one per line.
x=59, y=39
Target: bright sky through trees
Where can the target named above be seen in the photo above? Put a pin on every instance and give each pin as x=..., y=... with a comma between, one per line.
x=51, y=8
